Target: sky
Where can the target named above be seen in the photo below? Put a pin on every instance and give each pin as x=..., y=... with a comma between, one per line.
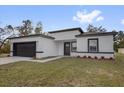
x=55, y=17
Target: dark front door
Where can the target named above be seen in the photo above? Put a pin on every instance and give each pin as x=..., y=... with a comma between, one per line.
x=26, y=49
x=67, y=48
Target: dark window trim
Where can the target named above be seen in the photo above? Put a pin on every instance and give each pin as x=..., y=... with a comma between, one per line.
x=97, y=44
x=71, y=46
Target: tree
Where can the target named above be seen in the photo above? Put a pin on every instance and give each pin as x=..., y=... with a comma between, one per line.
x=121, y=44
x=119, y=36
x=5, y=32
x=119, y=40
x=38, y=28
x=91, y=28
x=25, y=29
x=6, y=47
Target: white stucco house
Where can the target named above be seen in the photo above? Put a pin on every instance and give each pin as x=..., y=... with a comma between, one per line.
x=66, y=42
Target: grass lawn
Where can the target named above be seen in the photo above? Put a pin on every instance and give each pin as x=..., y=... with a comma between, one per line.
x=64, y=72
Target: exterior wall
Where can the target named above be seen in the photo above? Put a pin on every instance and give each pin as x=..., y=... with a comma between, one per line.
x=121, y=50
x=11, y=49
x=48, y=46
x=65, y=35
x=105, y=44
x=60, y=48
x=27, y=39
x=45, y=45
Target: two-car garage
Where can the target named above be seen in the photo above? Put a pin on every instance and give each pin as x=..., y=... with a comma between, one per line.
x=25, y=49
x=35, y=45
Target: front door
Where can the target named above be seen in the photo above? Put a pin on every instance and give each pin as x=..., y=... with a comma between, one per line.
x=67, y=48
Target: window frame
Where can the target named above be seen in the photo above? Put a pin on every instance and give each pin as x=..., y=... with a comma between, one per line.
x=97, y=50
x=72, y=47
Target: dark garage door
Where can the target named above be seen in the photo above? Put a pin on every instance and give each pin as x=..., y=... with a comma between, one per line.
x=26, y=49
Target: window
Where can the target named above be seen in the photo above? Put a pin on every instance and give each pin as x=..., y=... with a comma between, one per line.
x=73, y=46
x=92, y=45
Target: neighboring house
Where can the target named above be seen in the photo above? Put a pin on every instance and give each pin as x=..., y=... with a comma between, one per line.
x=121, y=50
x=67, y=42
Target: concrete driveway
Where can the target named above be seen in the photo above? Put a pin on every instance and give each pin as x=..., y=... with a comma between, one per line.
x=7, y=60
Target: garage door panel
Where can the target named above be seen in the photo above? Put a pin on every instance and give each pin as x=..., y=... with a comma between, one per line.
x=27, y=49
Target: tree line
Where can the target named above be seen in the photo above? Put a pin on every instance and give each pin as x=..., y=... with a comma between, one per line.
x=26, y=28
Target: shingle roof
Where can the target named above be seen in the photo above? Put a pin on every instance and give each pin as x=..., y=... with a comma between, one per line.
x=96, y=34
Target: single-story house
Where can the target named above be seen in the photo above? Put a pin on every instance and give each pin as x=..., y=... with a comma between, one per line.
x=66, y=42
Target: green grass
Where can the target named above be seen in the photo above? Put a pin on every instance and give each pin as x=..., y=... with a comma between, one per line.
x=64, y=72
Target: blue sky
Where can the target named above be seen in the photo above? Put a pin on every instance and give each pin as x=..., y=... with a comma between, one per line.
x=61, y=17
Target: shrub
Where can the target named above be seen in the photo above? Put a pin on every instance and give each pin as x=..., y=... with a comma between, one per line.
x=111, y=58
x=102, y=57
x=89, y=56
x=96, y=57
x=78, y=56
x=5, y=48
x=84, y=56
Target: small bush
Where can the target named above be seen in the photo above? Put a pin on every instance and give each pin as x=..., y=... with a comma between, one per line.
x=102, y=57
x=89, y=56
x=111, y=58
x=96, y=57
x=84, y=56
x=78, y=56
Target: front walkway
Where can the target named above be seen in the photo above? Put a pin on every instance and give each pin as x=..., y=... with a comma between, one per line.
x=46, y=60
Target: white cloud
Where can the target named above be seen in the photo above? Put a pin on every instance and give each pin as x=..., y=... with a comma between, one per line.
x=100, y=18
x=84, y=17
x=122, y=21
